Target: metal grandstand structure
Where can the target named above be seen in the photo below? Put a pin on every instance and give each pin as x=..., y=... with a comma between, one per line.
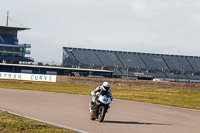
x=133, y=64
x=10, y=50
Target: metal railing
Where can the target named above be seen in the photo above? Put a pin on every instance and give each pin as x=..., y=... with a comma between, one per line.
x=26, y=45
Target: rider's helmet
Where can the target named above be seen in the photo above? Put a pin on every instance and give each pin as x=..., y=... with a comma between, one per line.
x=106, y=85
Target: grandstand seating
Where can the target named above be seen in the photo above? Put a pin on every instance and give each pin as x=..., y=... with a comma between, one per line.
x=81, y=58
x=109, y=59
x=70, y=58
x=195, y=63
x=193, y=76
x=1, y=41
x=178, y=63
x=15, y=58
x=8, y=39
x=131, y=60
x=92, y=58
x=155, y=62
x=135, y=64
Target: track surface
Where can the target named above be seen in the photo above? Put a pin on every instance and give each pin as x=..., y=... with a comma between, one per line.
x=124, y=116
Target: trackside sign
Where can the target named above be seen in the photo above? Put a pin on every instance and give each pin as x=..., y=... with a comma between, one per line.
x=31, y=77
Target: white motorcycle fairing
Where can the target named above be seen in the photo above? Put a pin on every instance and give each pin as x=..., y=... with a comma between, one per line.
x=104, y=99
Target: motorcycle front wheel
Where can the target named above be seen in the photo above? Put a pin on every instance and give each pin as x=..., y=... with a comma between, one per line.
x=102, y=112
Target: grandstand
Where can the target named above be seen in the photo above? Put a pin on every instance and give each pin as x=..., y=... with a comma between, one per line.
x=133, y=64
x=10, y=50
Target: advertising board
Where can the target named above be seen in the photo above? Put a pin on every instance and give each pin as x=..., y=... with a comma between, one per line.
x=31, y=77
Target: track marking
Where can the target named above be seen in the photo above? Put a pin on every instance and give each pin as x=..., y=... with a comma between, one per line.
x=49, y=123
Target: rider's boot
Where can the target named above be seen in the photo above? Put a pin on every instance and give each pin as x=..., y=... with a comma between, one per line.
x=108, y=108
x=91, y=104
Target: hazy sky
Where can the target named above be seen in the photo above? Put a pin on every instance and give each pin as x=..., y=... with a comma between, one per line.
x=153, y=26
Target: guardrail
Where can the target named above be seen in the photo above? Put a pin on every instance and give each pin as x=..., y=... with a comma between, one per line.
x=26, y=45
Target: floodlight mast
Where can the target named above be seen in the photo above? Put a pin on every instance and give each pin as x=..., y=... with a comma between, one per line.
x=7, y=18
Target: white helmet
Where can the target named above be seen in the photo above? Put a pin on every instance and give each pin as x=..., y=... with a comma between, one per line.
x=106, y=85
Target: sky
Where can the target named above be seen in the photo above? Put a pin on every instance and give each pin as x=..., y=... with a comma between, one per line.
x=148, y=26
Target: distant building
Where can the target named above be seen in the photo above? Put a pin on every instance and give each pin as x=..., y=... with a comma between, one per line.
x=10, y=50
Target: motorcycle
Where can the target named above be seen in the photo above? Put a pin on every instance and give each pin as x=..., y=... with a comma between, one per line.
x=101, y=106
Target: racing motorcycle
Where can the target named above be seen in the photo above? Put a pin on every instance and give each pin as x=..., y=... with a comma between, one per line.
x=101, y=106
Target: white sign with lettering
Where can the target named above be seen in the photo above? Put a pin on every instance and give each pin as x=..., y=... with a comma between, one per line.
x=32, y=77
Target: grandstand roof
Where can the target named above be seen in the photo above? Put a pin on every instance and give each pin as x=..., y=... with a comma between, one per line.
x=128, y=52
x=64, y=68
x=13, y=28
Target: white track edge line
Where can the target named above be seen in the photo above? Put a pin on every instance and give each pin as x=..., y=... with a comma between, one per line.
x=49, y=123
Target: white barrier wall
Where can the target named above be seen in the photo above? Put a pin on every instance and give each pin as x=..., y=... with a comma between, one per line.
x=31, y=77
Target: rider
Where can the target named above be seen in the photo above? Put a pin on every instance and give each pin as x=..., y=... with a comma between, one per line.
x=105, y=87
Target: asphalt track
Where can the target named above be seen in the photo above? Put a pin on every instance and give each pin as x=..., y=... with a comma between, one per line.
x=123, y=117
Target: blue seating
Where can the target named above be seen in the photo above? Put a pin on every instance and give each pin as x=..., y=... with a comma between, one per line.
x=86, y=57
x=178, y=63
x=132, y=60
x=8, y=39
x=193, y=76
x=15, y=58
x=109, y=59
x=71, y=60
x=80, y=57
x=1, y=41
x=141, y=64
x=155, y=62
x=195, y=63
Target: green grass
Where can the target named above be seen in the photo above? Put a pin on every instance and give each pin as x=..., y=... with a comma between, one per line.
x=10, y=123
x=171, y=97
x=179, y=98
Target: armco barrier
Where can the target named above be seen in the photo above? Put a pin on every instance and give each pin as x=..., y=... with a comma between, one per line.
x=130, y=83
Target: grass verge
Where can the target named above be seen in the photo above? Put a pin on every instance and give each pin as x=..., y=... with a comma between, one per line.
x=10, y=123
x=178, y=98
